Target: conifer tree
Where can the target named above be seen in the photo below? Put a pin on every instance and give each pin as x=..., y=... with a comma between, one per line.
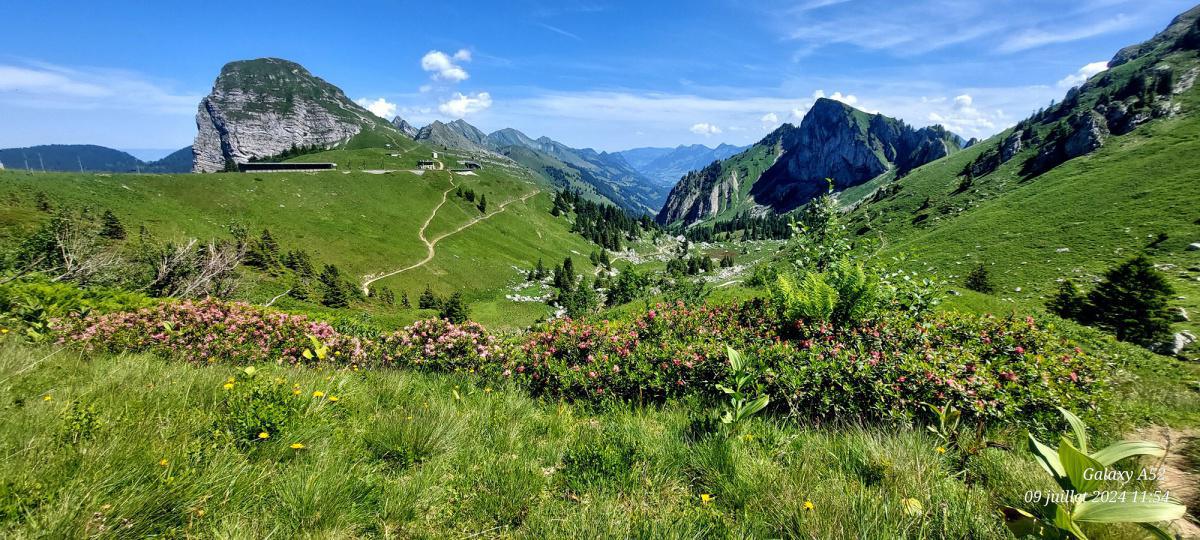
x=110, y=226
x=979, y=280
x=454, y=310
x=1068, y=302
x=333, y=289
x=428, y=300
x=1131, y=303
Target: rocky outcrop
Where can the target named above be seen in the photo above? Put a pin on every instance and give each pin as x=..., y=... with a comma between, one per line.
x=259, y=108
x=404, y=127
x=701, y=194
x=1089, y=135
x=1011, y=146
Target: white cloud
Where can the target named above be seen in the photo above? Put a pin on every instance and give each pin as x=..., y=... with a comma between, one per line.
x=1084, y=73
x=461, y=105
x=1038, y=37
x=443, y=66
x=381, y=107
x=769, y=121
x=848, y=99
x=962, y=101
x=705, y=128
x=47, y=86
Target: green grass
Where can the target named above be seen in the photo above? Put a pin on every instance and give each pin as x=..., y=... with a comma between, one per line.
x=400, y=456
x=365, y=223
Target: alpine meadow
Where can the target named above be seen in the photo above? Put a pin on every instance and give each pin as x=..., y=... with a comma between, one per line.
x=667, y=293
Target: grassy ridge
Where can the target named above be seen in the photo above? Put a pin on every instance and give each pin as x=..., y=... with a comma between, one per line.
x=1072, y=222
x=365, y=223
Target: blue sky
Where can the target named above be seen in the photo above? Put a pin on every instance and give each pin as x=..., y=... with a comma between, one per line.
x=609, y=75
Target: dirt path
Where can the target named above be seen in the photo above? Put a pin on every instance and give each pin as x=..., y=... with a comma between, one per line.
x=1179, y=475
x=430, y=245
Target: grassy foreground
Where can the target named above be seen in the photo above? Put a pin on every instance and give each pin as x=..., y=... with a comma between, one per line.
x=124, y=446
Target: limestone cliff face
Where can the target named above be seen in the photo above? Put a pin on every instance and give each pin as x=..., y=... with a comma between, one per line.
x=259, y=108
x=701, y=194
x=833, y=141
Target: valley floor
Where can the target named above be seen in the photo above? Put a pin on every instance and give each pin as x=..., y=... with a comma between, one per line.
x=131, y=446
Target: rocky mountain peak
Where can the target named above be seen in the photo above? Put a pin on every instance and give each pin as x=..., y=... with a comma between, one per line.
x=404, y=127
x=834, y=140
x=260, y=108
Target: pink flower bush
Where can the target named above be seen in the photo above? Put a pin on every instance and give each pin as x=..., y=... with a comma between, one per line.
x=210, y=331
x=995, y=370
x=440, y=345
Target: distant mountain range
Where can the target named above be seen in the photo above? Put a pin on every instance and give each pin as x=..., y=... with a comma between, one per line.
x=665, y=166
x=93, y=158
x=601, y=176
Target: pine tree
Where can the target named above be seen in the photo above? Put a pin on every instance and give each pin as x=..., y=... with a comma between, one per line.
x=483, y=203
x=1068, y=302
x=264, y=253
x=979, y=280
x=404, y=303
x=110, y=226
x=1131, y=302
x=386, y=296
x=428, y=300
x=540, y=270
x=454, y=310
x=333, y=289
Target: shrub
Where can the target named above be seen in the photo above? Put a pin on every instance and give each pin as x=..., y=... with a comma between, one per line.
x=980, y=280
x=208, y=331
x=439, y=345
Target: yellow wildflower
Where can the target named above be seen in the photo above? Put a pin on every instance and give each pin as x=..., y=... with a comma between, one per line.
x=296, y=392
x=706, y=498
x=318, y=393
x=808, y=505
x=941, y=450
x=47, y=397
x=488, y=390
x=264, y=435
x=3, y=330
x=333, y=398
x=228, y=386
x=297, y=446
x=163, y=462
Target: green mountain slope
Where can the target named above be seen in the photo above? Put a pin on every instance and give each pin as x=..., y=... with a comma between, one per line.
x=364, y=220
x=1045, y=214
